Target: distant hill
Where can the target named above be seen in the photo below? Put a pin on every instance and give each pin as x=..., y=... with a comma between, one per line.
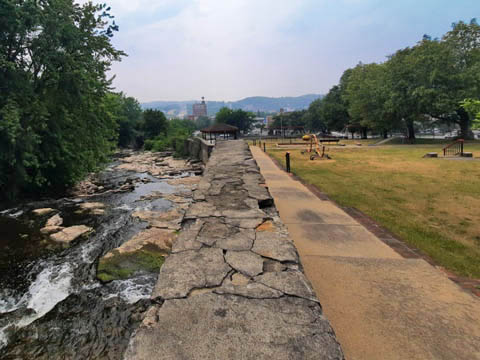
x=254, y=103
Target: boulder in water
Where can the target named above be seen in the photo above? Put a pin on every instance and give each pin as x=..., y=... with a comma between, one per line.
x=94, y=208
x=47, y=230
x=67, y=235
x=55, y=220
x=42, y=211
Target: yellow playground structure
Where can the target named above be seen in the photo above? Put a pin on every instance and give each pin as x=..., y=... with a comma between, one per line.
x=313, y=148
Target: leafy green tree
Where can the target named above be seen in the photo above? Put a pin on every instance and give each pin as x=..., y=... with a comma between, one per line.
x=330, y=113
x=472, y=107
x=434, y=76
x=154, y=123
x=176, y=133
x=54, y=56
x=368, y=94
x=243, y=120
x=203, y=122
x=128, y=115
x=292, y=120
x=223, y=115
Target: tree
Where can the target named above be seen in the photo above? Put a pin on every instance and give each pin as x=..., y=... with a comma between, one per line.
x=241, y=119
x=223, y=115
x=294, y=119
x=203, y=122
x=367, y=94
x=472, y=107
x=54, y=56
x=127, y=113
x=463, y=46
x=154, y=123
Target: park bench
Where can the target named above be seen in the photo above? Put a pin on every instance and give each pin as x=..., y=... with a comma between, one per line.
x=329, y=141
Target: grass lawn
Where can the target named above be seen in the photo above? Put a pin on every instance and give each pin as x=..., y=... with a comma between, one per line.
x=432, y=204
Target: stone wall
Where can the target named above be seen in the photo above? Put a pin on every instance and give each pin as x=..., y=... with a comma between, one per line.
x=233, y=286
x=197, y=148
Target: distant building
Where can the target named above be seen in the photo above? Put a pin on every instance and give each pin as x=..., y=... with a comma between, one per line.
x=199, y=109
x=269, y=120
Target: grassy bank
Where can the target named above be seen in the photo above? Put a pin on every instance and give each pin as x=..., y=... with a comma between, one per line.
x=432, y=204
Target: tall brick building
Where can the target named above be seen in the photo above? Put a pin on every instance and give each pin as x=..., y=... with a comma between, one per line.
x=200, y=109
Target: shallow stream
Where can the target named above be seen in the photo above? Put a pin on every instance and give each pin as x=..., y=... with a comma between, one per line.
x=51, y=304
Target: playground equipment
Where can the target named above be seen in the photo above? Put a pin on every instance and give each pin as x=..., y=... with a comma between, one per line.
x=313, y=148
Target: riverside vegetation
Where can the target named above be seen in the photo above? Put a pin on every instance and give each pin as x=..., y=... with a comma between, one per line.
x=59, y=119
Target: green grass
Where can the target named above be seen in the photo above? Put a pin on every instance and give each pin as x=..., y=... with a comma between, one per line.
x=432, y=204
x=124, y=266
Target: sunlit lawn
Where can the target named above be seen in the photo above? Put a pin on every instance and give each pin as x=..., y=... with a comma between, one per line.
x=433, y=204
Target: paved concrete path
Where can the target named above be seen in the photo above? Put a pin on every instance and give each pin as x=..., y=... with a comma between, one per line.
x=380, y=305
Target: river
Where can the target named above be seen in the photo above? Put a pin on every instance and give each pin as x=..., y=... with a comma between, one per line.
x=52, y=306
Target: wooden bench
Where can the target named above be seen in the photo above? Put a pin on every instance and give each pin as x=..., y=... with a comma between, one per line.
x=328, y=141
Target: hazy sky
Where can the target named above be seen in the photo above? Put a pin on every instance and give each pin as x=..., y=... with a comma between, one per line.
x=230, y=49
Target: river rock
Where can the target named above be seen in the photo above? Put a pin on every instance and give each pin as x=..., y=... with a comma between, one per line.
x=47, y=230
x=160, y=239
x=42, y=211
x=94, y=208
x=160, y=219
x=67, y=235
x=191, y=181
x=55, y=220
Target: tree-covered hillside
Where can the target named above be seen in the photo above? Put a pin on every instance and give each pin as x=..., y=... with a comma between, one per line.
x=255, y=103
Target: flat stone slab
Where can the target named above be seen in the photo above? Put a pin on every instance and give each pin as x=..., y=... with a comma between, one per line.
x=288, y=282
x=273, y=246
x=245, y=262
x=55, y=220
x=242, y=240
x=186, y=238
x=67, y=235
x=201, y=209
x=251, y=289
x=159, y=239
x=159, y=219
x=189, y=270
x=42, y=211
x=211, y=326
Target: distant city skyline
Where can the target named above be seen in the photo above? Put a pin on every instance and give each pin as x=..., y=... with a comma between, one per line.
x=228, y=50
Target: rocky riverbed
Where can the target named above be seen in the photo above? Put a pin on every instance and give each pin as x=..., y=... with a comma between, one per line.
x=76, y=273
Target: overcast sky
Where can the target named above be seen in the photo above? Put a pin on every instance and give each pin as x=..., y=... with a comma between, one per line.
x=230, y=49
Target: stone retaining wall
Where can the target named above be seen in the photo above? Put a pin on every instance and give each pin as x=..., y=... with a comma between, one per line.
x=233, y=286
x=197, y=148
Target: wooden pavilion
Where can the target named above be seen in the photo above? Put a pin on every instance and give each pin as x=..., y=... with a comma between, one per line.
x=220, y=129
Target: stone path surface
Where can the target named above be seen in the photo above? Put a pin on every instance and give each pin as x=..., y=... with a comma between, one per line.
x=381, y=306
x=233, y=286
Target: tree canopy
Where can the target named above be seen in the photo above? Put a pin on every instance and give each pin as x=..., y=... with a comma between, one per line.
x=54, y=122
x=243, y=120
x=425, y=83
